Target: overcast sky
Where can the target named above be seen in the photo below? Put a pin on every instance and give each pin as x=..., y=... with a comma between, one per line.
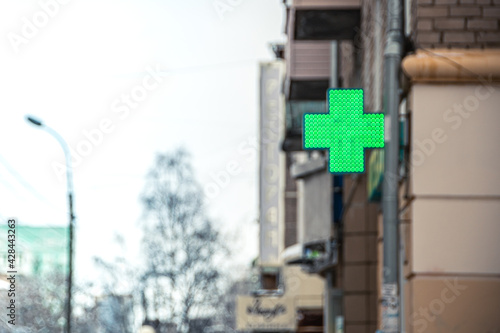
x=121, y=81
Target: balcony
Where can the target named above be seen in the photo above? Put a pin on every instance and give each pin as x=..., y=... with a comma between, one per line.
x=311, y=27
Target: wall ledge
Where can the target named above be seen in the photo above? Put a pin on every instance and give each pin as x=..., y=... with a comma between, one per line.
x=453, y=65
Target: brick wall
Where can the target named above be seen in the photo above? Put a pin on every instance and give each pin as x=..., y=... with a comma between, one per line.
x=359, y=260
x=362, y=65
x=435, y=24
x=457, y=23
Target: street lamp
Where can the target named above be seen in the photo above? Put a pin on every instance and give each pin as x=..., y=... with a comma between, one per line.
x=69, y=184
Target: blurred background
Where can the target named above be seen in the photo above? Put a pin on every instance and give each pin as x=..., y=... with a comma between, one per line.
x=153, y=175
x=159, y=76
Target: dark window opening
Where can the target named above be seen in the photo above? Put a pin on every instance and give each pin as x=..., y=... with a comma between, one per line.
x=310, y=90
x=270, y=281
x=326, y=24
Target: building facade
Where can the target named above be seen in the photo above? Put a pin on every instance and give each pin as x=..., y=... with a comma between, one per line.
x=284, y=298
x=331, y=227
x=39, y=250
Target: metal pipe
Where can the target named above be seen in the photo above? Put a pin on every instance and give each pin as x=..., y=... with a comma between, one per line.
x=69, y=185
x=391, y=98
x=334, y=64
x=331, y=310
x=401, y=281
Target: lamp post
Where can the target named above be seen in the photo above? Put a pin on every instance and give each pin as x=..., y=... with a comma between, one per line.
x=69, y=184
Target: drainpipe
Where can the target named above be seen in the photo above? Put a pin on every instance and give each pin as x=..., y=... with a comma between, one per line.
x=332, y=311
x=391, y=98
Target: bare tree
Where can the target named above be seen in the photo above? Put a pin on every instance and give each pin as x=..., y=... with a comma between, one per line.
x=181, y=281
x=40, y=302
x=40, y=307
x=115, y=302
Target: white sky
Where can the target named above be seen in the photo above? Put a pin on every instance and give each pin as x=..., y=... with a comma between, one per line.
x=70, y=72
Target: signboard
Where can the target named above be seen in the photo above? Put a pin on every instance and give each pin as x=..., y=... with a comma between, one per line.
x=271, y=166
x=345, y=131
x=265, y=314
x=376, y=164
x=375, y=175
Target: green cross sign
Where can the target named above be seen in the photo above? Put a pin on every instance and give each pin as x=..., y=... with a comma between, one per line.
x=345, y=131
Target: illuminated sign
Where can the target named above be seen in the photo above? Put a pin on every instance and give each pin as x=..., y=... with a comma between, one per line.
x=345, y=131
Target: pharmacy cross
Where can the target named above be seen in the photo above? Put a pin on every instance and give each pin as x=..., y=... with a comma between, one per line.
x=346, y=131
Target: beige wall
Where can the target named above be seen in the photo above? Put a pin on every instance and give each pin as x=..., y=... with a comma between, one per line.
x=448, y=304
x=458, y=236
x=455, y=179
x=455, y=140
x=302, y=285
x=301, y=291
x=452, y=224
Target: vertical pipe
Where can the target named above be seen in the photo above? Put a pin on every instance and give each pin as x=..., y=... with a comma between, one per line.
x=333, y=300
x=334, y=64
x=401, y=281
x=392, y=61
x=328, y=310
x=377, y=86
